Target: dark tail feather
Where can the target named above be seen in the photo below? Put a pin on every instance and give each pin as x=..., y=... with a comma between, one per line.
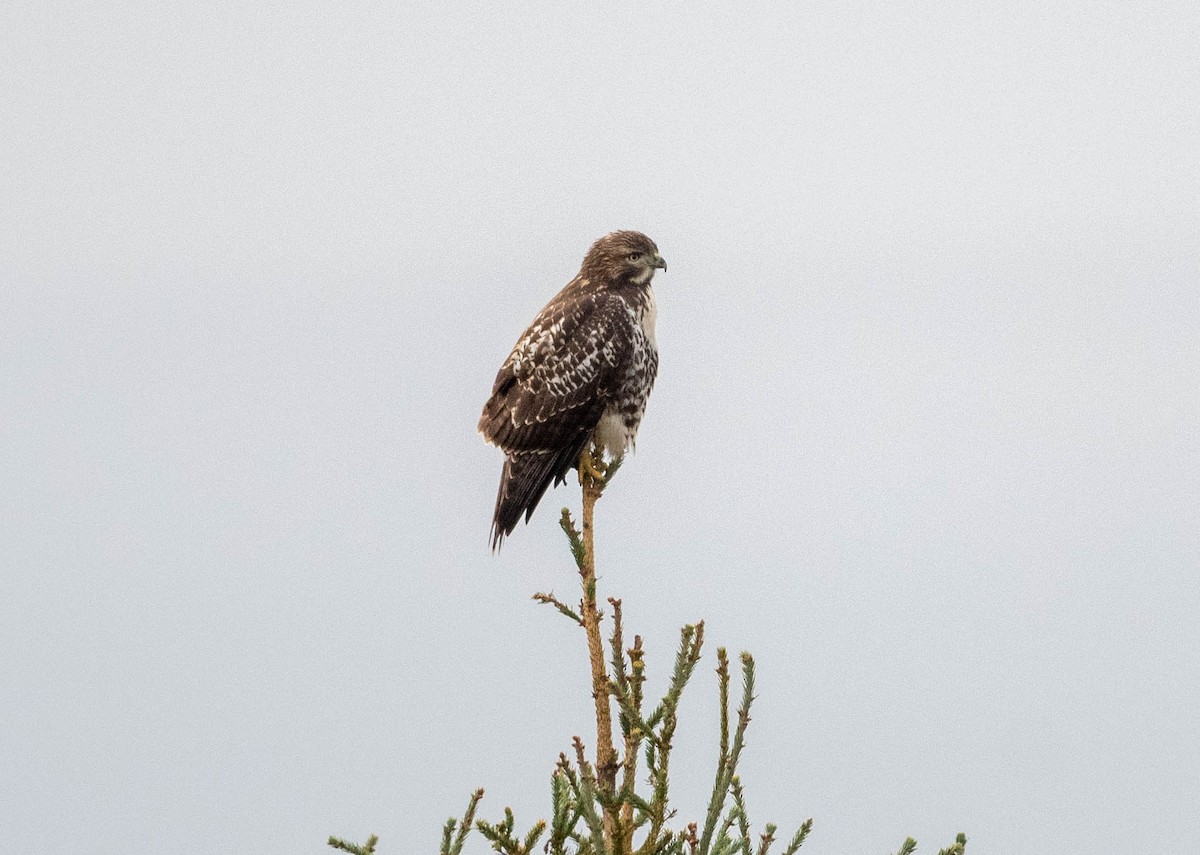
x=526, y=477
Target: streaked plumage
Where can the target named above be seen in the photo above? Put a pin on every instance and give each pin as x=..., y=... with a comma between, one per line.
x=582, y=370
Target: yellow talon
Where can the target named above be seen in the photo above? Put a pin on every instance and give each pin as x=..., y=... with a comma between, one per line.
x=591, y=467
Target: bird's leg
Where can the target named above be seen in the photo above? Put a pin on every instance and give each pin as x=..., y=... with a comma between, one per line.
x=591, y=465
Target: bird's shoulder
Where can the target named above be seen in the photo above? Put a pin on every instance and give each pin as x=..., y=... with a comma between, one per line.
x=579, y=321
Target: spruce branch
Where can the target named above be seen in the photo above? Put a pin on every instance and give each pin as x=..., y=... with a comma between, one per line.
x=587, y=797
x=625, y=686
x=660, y=728
x=551, y=600
x=798, y=839
x=453, y=845
x=723, y=693
x=689, y=837
x=621, y=673
x=533, y=836
x=743, y=816
x=367, y=848
x=958, y=847
x=728, y=760
x=658, y=755
x=637, y=671
x=573, y=537
x=724, y=843
x=630, y=797
x=633, y=728
x=691, y=640
x=500, y=834
x=565, y=811
x=590, y=813
x=767, y=838
x=504, y=841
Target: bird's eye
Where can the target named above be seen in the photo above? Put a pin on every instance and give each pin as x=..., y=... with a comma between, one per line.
x=634, y=256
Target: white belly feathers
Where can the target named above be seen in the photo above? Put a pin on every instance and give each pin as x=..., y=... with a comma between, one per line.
x=610, y=434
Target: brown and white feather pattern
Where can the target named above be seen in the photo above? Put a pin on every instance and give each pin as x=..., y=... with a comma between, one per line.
x=583, y=370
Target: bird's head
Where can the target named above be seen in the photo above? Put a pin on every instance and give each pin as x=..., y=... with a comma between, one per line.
x=623, y=257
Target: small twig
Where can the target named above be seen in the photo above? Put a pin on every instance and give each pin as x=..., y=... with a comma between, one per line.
x=551, y=600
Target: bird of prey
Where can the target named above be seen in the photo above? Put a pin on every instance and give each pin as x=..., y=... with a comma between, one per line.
x=579, y=375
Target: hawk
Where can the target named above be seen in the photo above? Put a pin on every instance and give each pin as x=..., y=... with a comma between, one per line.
x=580, y=374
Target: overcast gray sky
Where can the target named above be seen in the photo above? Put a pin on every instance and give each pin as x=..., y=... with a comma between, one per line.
x=924, y=438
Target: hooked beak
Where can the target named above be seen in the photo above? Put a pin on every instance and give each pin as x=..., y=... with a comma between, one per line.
x=659, y=261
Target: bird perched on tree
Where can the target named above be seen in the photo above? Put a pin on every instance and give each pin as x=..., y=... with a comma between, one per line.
x=578, y=378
